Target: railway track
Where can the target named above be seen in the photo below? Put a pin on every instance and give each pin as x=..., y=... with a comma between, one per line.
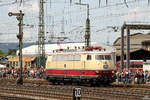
x=45, y=91
x=45, y=82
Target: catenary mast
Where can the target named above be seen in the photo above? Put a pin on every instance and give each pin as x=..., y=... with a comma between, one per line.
x=41, y=36
x=87, y=30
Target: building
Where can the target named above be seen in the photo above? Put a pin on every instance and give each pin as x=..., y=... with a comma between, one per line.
x=135, y=41
x=28, y=61
x=146, y=45
x=139, y=47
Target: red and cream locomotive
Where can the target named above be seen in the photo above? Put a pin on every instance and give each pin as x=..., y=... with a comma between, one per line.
x=91, y=66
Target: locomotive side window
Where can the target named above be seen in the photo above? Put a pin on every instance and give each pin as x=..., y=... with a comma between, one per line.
x=89, y=57
x=99, y=57
x=77, y=57
x=66, y=58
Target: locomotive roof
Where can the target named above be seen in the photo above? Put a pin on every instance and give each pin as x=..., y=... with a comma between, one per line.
x=82, y=52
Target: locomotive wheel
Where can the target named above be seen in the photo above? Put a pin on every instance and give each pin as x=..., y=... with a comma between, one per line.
x=53, y=82
x=106, y=83
x=93, y=83
x=70, y=82
x=64, y=83
x=58, y=83
x=78, y=83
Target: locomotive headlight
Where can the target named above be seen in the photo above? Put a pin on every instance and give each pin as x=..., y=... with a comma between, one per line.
x=97, y=72
x=113, y=72
x=105, y=66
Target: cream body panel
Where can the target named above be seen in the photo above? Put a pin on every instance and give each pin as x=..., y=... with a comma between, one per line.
x=82, y=64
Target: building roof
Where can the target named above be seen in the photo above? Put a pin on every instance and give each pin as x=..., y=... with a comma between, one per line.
x=135, y=42
x=118, y=52
x=135, y=39
x=25, y=58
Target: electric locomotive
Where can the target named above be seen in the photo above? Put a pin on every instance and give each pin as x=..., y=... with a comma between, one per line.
x=94, y=67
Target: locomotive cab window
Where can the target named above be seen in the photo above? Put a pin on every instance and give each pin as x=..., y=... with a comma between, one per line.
x=89, y=57
x=103, y=57
x=107, y=57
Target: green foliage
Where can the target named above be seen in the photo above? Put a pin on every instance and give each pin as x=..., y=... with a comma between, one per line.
x=2, y=53
x=12, y=52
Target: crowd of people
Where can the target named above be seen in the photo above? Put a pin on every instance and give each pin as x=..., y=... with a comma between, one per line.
x=138, y=77
x=135, y=77
x=26, y=73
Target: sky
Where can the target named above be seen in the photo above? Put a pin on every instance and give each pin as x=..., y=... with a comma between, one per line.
x=63, y=16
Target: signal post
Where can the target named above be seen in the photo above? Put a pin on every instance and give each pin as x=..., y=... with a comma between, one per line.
x=19, y=17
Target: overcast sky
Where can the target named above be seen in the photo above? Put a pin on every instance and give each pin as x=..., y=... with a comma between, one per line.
x=60, y=16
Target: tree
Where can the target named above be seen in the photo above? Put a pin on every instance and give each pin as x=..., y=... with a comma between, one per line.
x=2, y=53
x=12, y=52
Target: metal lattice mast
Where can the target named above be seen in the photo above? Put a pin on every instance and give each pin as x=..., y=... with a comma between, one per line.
x=41, y=36
x=87, y=31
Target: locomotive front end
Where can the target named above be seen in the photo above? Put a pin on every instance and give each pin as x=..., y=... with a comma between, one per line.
x=106, y=63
